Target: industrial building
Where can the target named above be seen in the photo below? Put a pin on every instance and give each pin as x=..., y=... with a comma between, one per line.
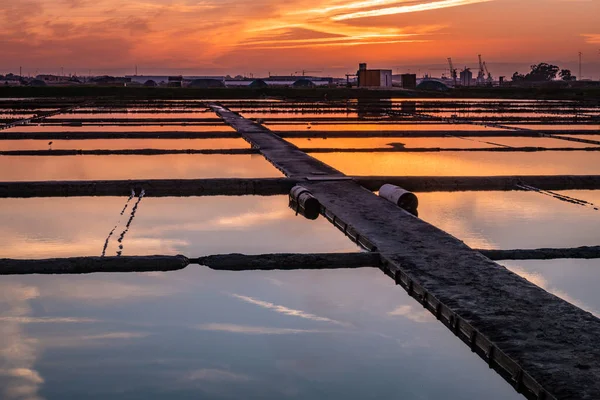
x=408, y=81
x=374, y=78
x=466, y=77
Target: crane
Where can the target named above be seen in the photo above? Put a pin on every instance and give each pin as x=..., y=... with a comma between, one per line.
x=481, y=73
x=453, y=73
x=489, y=79
x=304, y=71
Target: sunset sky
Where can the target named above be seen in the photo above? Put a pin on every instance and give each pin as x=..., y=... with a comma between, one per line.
x=283, y=36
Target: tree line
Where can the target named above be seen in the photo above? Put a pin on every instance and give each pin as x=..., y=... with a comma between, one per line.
x=544, y=72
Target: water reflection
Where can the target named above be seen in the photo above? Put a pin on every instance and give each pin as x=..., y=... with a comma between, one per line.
x=184, y=335
x=464, y=164
x=122, y=128
x=39, y=168
x=362, y=143
x=509, y=220
x=575, y=281
x=193, y=226
x=124, y=144
x=379, y=127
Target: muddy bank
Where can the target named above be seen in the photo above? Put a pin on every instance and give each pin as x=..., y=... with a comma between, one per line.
x=7, y=134
x=289, y=261
x=87, y=265
x=142, y=152
x=152, y=187
x=584, y=252
x=489, y=183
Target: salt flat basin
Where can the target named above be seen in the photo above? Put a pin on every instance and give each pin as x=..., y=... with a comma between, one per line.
x=293, y=114
x=587, y=137
x=193, y=226
x=367, y=143
x=136, y=115
x=532, y=142
x=514, y=219
x=231, y=335
x=575, y=281
x=122, y=128
x=379, y=127
x=464, y=163
x=39, y=168
x=124, y=144
x=559, y=127
x=527, y=220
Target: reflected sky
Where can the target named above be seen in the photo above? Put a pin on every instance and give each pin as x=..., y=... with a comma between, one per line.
x=136, y=115
x=464, y=164
x=510, y=220
x=124, y=144
x=362, y=143
x=204, y=334
x=532, y=142
x=573, y=280
x=379, y=127
x=122, y=128
x=581, y=127
x=588, y=137
x=36, y=168
x=193, y=226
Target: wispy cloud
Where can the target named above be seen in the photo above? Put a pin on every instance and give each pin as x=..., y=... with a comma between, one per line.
x=255, y=330
x=592, y=38
x=216, y=375
x=288, y=311
x=410, y=312
x=436, y=5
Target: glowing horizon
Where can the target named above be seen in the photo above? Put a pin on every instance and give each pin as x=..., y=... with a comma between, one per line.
x=276, y=35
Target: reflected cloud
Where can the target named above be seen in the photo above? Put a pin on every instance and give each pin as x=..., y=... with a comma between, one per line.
x=540, y=281
x=18, y=353
x=249, y=219
x=256, y=330
x=216, y=375
x=287, y=311
x=45, y=320
x=412, y=313
x=106, y=291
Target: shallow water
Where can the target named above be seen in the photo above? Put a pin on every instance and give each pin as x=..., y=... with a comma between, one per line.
x=514, y=220
x=124, y=144
x=366, y=143
x=379, y=127
x=199, y=333
x=578, y=127
x=464, y=163
x=176, y=166
x=531, y=142
x=193, y=226
x=575, y=281
x=122, y=128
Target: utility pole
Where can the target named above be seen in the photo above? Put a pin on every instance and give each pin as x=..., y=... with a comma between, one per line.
x=580, y=54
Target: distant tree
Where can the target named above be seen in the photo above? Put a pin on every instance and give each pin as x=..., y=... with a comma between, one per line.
x=517, y=77
x=565, y=75
x=541, y=72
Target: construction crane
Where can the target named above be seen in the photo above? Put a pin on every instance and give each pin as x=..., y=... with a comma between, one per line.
x=481, y=73
x=489, y=79
x=453, y=73
x=304, y=71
